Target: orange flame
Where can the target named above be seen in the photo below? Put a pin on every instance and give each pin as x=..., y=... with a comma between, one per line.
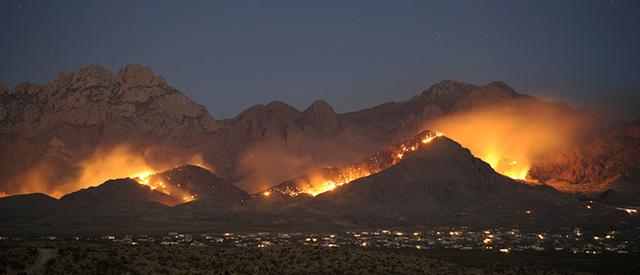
x=110, y=162
x=328, y=179
x=148, y=178
x=510, y=138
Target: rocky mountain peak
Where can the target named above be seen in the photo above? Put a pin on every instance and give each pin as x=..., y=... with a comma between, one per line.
x=495, y=92
x=500, y=85
x=319, y=106
x=137, y=75
x=448, y=90
x=322, y=116
x=275, y=109
x=3, y=88
x=281, y=107
x=87, y=77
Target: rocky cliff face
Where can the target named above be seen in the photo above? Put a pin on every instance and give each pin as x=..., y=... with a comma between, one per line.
x=611, y=158
x=135, y=98
x=52, y=127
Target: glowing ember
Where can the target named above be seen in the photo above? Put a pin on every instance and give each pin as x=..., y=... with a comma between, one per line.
x=149, y=179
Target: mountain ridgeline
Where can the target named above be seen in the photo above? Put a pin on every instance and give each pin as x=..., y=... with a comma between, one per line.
x=49, y=132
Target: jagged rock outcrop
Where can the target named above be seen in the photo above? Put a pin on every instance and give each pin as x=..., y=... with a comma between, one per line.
x=322, y=116
x=92, y=96
x=447, y=93
x=59, y=124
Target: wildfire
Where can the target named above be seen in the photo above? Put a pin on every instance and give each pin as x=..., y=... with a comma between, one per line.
x=145, y=178
x=321, y=185
x=508, y=167
x=327, y=179
x=104, y=163
x=149, y=178
x=513, y=134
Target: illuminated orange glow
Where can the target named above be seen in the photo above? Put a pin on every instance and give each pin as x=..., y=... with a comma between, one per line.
x=149, y=179
x=328, y=179
x=124, y=161
x=509, y=139
x=320, y=184
x=104, y=163
x=3, y=194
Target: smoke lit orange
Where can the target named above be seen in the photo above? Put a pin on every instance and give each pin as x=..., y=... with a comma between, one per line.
x=327, y=179
x=508, y=137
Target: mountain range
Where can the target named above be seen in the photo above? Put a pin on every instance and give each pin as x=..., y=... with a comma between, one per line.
x=48, y=132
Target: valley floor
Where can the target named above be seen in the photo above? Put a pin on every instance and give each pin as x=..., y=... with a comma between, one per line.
x=99, y=257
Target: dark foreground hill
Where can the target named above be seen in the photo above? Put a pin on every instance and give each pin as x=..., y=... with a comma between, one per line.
x=442, y=184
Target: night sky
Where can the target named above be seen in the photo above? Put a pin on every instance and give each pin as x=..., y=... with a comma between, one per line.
x=229, y=55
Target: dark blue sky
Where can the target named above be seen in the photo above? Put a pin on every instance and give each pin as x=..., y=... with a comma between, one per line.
x=229, y=55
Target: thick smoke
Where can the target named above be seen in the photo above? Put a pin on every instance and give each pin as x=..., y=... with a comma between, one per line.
x=275, y=160
x=269, y=163
x=106, y=162
x=510, y=137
